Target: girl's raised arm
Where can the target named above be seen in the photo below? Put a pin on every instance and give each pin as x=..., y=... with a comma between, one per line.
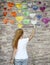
x=31, y=35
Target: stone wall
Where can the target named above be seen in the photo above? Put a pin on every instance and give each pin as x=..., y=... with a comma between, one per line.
x=38, y=47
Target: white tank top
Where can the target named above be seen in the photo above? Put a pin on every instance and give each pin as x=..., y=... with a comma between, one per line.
x=21, y=52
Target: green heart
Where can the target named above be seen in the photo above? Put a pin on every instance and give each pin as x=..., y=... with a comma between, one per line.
x=35, y=1
x=24, y=3
x=26, y=13
x=26, y=21
x=24, y=6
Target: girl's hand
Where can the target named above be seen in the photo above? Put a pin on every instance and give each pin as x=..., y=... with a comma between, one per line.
x=11, y=61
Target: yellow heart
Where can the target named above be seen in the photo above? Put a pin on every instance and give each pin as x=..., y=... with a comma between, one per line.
x=18, y=5
x=19, y=18
x=20, y=25
x=19, y=11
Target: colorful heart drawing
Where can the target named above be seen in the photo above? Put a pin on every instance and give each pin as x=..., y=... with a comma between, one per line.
x=14, y=14
x=26, y=13
x=5, y=8
x=39, y=16
x=35, y=7
x=34, y=22
x=29, y=5
x=2, y=4
x=48, y=19
x=19, y=18
x=45, y=4
x=19, y=5
x=26, y=21
x=19, y=25
x=5, y=21
x=42, y=8
x=24, y=6
x=4, y=13
x=45, y=20
x=9, y=8
x=10, y=4
x=32, y=15
x=34, y=3
x=19, y=11
x=39, y=2
x=11, y=21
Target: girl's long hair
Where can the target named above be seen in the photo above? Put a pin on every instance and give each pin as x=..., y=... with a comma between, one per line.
x=17, y=36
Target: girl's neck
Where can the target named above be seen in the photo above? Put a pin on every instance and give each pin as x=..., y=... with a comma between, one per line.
x=21, y=37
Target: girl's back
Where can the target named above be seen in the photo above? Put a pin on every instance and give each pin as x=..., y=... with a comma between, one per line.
x=21, y=52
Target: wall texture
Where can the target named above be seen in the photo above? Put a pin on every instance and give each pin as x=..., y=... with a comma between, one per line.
x=38, y=47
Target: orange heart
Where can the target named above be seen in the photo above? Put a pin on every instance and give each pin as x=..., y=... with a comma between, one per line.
x=10, y=4
x=13, y=14
x=4, y=13
x=12, y=21
x=5, y=21
x=9, y=8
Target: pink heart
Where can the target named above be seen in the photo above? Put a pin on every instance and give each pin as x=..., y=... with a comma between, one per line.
x=45, y=20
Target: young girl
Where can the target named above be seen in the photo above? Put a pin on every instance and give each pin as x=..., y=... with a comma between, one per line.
x=19, y=48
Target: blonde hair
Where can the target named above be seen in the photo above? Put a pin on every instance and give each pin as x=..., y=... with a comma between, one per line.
x=17, y=36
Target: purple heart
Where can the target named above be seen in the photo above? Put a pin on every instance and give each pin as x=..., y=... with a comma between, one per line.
x=45, y=20
x=39, y=2
x=48, y=19
x=45, y=4
x=42, y=9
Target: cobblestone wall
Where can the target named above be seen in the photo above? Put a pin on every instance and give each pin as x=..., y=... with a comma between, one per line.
x=38, y=48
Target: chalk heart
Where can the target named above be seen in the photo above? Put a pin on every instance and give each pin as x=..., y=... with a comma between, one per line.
x=13, y=14
x=11, y=21
x=42, y=8
x=26, y=21
x=48, y=19
x=10, y=4
x=19, y=5
x=32, y=15
x=19, y=18
x=39, y=16
x=26, y=13
x=20, y=25
x=45, y=20
x=5, y=8
x=5, y=13
x=24, y=6
x=35, y=7
x=29, y=4
x=34, y=22
x=39, y=2
x=5, y=21
x=19, y=11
